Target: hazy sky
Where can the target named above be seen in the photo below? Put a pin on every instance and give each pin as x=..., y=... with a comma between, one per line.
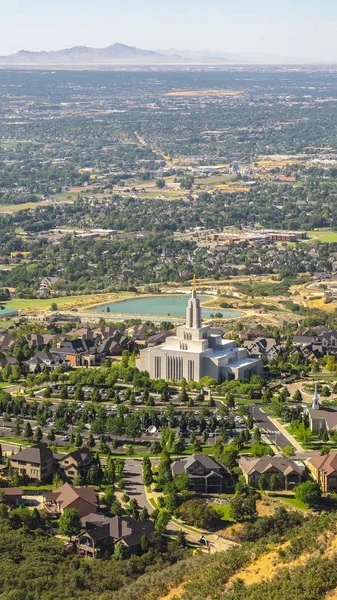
x=297, y=28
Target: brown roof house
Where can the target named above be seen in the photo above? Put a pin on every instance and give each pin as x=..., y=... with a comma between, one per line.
x=100, y=534
x=324, y=470
x=67, y=496
x=289, y=472
x=35, y=462
x=206, y=474
x=77, y=463
x=13, y=496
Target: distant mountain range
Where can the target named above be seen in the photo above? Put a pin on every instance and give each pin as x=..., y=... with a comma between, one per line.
x=252, y=58
x=120, y=54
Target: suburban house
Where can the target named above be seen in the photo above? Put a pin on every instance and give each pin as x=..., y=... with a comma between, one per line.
x=35, y=462
x=329, y=340
x=289, y=472
x=324, y=470
x=13, y=496
x=77, y=463
x=109, y=347
x=100, y=534
x=206, y=474
x=263, y=346
x=38, y=340
x=43, y=359
x=8, y=360
x=159, y=338
x=80, y=352
x=67, y=496
x=6, y=342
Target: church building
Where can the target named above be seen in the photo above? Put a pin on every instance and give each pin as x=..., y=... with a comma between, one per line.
x=321, y=419
x=196, y=352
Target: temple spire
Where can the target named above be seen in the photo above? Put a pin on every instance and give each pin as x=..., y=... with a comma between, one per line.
x=315, y=399
x=193, y=312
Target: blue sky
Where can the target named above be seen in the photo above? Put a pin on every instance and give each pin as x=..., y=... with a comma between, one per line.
x=296, y=28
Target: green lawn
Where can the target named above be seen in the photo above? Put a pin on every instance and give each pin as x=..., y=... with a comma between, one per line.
x=222, y=510
x=46, y=487
x=16, y=441
x=292, y=501
x=323, y=235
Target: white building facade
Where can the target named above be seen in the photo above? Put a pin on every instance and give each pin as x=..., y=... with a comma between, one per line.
x=196, y=352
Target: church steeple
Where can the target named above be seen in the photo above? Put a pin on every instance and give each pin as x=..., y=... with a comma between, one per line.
x=315, y=399
x=193, y=312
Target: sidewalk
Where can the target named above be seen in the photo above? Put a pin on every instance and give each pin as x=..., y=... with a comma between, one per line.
x=286, y=434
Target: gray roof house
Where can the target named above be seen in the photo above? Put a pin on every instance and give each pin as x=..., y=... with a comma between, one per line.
x=101, y=533
x=205, y=473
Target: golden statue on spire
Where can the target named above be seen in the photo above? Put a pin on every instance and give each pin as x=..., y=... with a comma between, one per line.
x=194, y=283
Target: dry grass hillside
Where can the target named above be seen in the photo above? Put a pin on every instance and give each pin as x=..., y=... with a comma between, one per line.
x=299, y=563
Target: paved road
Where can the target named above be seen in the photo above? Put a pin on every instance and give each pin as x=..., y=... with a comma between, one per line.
x=263, y=421
x=134, y=483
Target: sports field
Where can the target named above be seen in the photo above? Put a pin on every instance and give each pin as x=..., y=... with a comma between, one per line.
x=323, y=235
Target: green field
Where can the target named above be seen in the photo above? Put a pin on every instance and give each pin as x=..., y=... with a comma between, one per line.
x=45, y=304
x=12, y=208
x=323, y=235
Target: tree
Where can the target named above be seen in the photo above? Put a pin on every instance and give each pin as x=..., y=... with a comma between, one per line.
x=109, y=495
x=331, y=364
x=1, y=456
x=91, y=442
x=257, y=434
x=155, y=447
x=288, y=451
x=109, y=472
x=297, y=397
x=263, y=482
x=57, y=481
x=28, y=432
x=120, y=551
x=51, y=435
x=260, y=449
x=147, y=471
x=308, y=492
x=47, y=392
x=144, y=515
x=78, y=440
x=70, y=522
x=38, y=435
x=119, y=467
x=64, y=393
x=160, y=183
x=242, y=508
x=164, y=474
x=200, y=515
x=325, y=436
x=162, y=520
x=274, y=483
x=79, y=394
x=17, y=427
x=283, y=394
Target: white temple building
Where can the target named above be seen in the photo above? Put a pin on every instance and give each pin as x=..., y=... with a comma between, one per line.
x=196, y=352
